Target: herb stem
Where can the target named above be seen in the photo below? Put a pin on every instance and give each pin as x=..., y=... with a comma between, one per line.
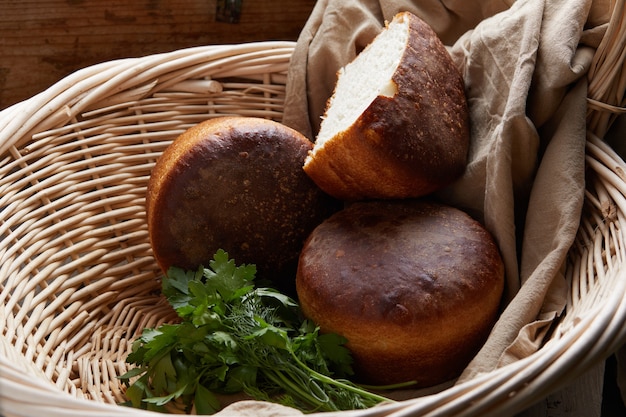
x=349, y=387
x=295, y=389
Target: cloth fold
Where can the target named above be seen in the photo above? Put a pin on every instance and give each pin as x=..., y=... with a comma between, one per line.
x=524, y=65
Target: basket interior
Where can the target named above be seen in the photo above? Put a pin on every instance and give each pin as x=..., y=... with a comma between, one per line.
x=78, y=279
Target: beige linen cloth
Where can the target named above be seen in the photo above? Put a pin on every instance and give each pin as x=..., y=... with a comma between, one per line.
x=524, y=64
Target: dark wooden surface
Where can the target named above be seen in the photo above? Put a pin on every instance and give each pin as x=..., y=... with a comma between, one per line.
x=42, y=41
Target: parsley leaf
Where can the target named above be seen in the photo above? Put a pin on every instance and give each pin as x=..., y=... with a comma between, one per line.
x=234, y=337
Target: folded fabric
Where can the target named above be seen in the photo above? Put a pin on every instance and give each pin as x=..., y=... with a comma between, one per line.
x=524, y=64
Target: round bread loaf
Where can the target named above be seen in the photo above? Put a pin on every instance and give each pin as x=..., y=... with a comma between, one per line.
x=414, y=287
x=235, y=183
x=397, y=124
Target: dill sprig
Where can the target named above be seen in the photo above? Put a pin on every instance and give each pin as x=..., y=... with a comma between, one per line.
x=233, y=338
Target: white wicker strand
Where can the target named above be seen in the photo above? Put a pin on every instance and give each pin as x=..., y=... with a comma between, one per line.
x=607, y=74
x=96, y=82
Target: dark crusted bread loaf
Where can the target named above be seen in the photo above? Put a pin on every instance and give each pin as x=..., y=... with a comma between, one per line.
x=234, y=183
x=414, y=286
x=397, y=124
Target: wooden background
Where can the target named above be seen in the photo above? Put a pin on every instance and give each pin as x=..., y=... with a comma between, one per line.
x=42, y=41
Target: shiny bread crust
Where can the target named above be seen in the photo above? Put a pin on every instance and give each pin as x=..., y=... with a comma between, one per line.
x=234, y=183
x=414, y=286
x=404, y=146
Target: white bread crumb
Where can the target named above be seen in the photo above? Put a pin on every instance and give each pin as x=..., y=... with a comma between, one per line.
x=368, y=76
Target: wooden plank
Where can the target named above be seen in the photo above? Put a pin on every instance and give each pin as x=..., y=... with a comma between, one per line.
x=581, y=398
x=42, y=41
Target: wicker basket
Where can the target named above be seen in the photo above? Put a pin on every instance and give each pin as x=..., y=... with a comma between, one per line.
x=77, y=279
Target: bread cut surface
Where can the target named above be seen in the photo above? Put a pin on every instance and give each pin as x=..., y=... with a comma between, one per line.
x=414, y=286
x=234, y=183
x=397, y=124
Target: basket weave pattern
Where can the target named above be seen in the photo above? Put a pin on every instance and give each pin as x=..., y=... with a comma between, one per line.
x=77, y=279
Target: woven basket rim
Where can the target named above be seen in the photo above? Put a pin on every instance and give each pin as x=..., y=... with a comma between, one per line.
x=67, y=94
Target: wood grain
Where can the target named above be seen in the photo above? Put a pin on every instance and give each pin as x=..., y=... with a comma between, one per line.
x=42, y=41
x=581, y=398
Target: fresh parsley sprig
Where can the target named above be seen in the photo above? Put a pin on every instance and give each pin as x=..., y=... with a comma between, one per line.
x=233, y=338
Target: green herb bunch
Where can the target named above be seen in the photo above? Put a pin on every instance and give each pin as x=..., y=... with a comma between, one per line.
x=234, y=338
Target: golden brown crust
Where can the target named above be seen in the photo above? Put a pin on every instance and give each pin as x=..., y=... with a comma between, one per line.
x=414, y=286
x=405, y=146
x=234, y=183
